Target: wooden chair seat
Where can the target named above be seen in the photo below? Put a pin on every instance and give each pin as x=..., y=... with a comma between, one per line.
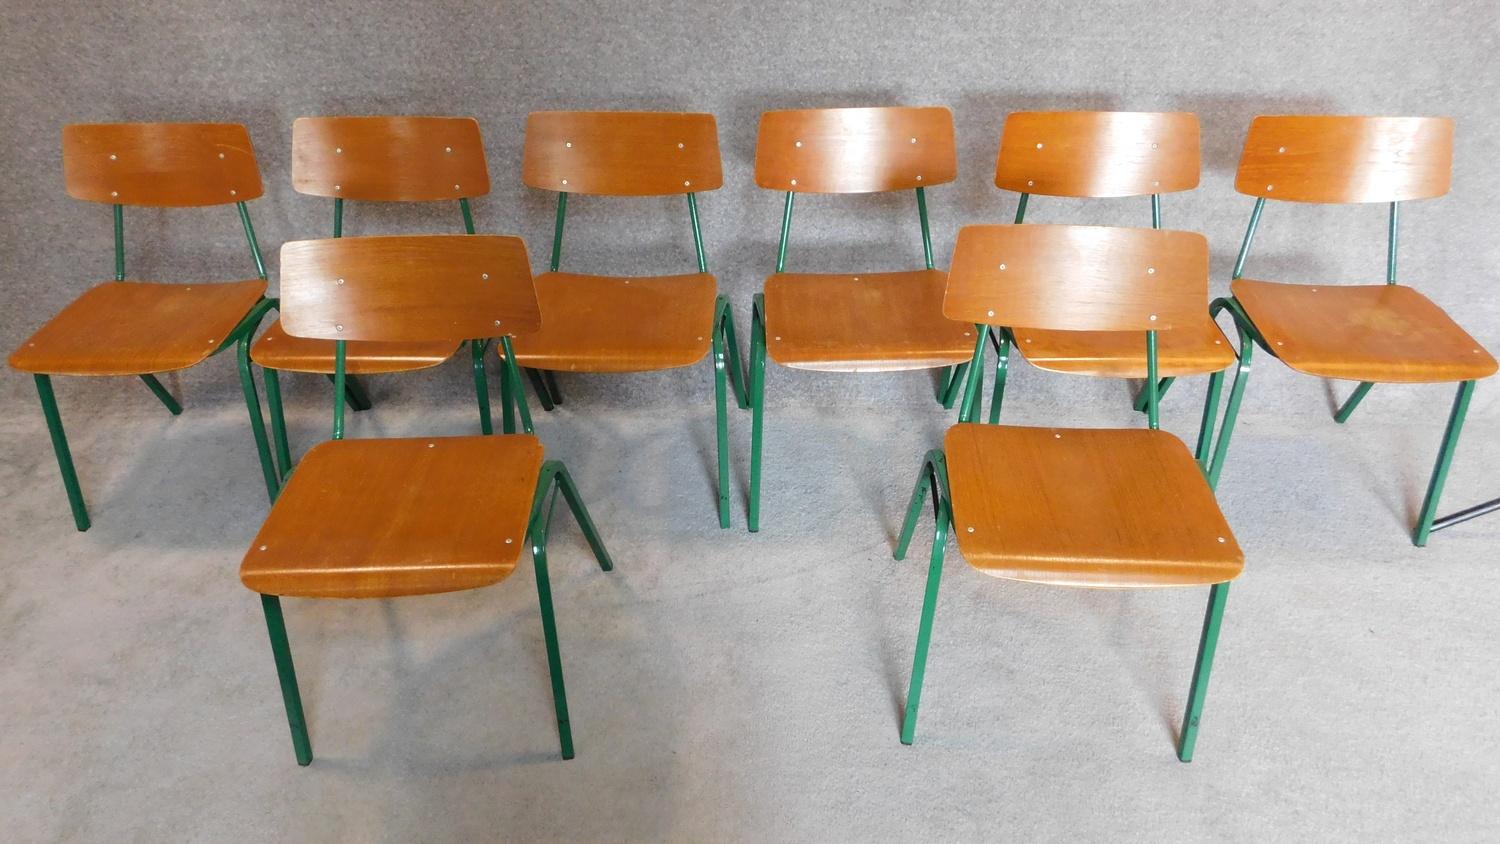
x=870, y=322
x=1086, y=507
x=277, y=349
x=138, y=327
x=389, y=517
x=1372, y=332
x=1186, y=350
x=600, y=323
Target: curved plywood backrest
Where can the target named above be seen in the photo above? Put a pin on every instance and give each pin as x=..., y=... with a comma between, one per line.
x=1099, y=153
x=855, y=150
x=389, y=159
x=1333, y=158
x=413, y=288
x=622, y=153
x=1078, y=278
x=160, y=164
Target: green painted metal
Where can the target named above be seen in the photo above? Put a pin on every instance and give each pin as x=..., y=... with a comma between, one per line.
x=64, y=454
x=737, y=377
x=757, y=399
x=286, y=672
x=538, y=381
x=692, y=199
x=507, y=402
x=338, y=217
x=555, y=477
x=1021, y=208
x=1161, y=390
x=354, y=393
x=1153, y=409
x=260, y=261
x=339, y=353
x=1391, y=243
x=955, y=378
x=481, y=385
x=1155, y=210
x=926, y=229
x=934, y=473
x=119, y=242
x=1208, y=642
x=463, y=205
x=1444, y=462
x=1239, y=261
x=1347, y=408
x=550, y=379
x=968, y=410
x=721, y=412
x=252, y=405
x=1204, y=450
x=1001, y=341
x=283, y=447
x=162, y=394
x=517, y=392
x=1249, y=338
x=786, y=232
x=557, y=232
x=929, y=601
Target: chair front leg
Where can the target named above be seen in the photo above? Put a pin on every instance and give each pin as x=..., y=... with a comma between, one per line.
x=1444, y=461
x=924, y=628
x=757, y=404
x=1249, y=336
x=1144, y=399
x=278, y=421
x=481, y=385
x=257, y=422
x=1203, y=451
x=952, y=384
x=1001, y=340
x=539, y=386
x=64, y=454
x=1208, y=642
x=281, y=649
x=162, y=394
x=724, y=323
x=721, y=419
x=1347, y=408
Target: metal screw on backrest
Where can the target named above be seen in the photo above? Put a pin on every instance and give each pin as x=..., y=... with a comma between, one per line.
x=447, y=149
x=338, y=150
x=338, y=328
x=111, y=156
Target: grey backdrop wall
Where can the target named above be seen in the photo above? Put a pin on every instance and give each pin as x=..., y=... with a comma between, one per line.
x=265, y=63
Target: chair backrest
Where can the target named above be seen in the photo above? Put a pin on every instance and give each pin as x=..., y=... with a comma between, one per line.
x=389, y=159
x=1099, y=153
x=160, y=164
x=622, y=153
x=412, y=288
x=1346, y=159
x=855, y=150
x=1077, y=278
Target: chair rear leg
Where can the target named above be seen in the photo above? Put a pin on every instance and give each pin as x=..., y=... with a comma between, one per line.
x=278, y=421
x=481, y=385
x=64, y=454
x=924, y=628
x=721, y=424
x=757, y=406
x=257, y=422
x=1161, y=391
x=355, y=395
x=1347, y=408
x=1207, y=644
x=954, y=385
x=1444, y=461
x=287, y=673
x=1204, y=450
x=539, y=386
x=162, y=394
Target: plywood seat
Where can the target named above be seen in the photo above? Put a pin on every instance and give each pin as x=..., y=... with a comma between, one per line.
x=869, y=322
x=600, y=323
x=138, y=327
x=1372, y=332
x=1187, y=350
x=278, y=350
x=389, y=517
x=1086, y=507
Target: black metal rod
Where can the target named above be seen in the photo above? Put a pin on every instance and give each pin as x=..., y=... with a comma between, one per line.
x=1464, y=515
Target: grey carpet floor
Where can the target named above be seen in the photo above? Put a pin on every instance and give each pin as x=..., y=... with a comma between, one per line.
x=735, y=687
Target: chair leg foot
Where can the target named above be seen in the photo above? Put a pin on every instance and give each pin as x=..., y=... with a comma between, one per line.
x=287, y=673
x=1439, y=478
x=1207, y=644
x=63, y=453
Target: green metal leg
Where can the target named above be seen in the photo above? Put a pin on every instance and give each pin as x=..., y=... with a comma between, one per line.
x=1002, y=364
x=1347, y=409
x=934, y=469
x=929, y=607
x=757, y=405
x=737, y=379
x=517, y=391
x=64, y=454
x=968, y=409
x=287, y=673
x=956, y=379
x=721, y=420
x=1161, y=391
x=278, y=421
x=162, y=394
x=1210, y=415
x=550, y=379
x=1248, y=338
x=539, y=386
x=257, y=423
x=507, y=401
x=1207, y=644
x=1444, y=462
x=354, y=394
x=554, y=477
x=481, y=385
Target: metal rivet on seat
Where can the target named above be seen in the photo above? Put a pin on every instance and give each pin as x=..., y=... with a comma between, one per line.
x=794, y=181
x=340, y=281
x=1281, y=150
x=565, y=181
x=111, y=156
x=447, y=149
x=913, y=140
x=189, y=287
x=968, y=334
x=1156, y=184
x=455, y=187
x=232, y=192
x=856, y=278
x=799, y=143
x=778, y=337
x=679, y=146
x=1315, y=290
x=919, y=178
x=338, y=328
x=1038, y=146
x=1222, y=539
x=338, y=187
x=114, y=193
x=338, y=150
x=1218, y=342
x=1153, y=317
x=484, y=276
x=1028, y=339
x=262, y=547
x=1057, y=436
x=1029, y=183
x=221, y=155
x=687, y=184
x=432, y=445
x=1151, y=271
x=568, y=144
x=991, y=313
x=700, y=338
x=1002, y=268
x=1153, y=146
x=497, y=322
x=971, y=529
x=1278, y=342
x=1270, y=188
x=508, y=540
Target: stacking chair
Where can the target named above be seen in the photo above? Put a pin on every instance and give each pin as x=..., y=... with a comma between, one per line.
x=1102, y=508
x=145, y=328
x=861, y=321
x=605, y=323
x=1102, y=154
x=1373, y=333
x=386, y=518
x=376, y=159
